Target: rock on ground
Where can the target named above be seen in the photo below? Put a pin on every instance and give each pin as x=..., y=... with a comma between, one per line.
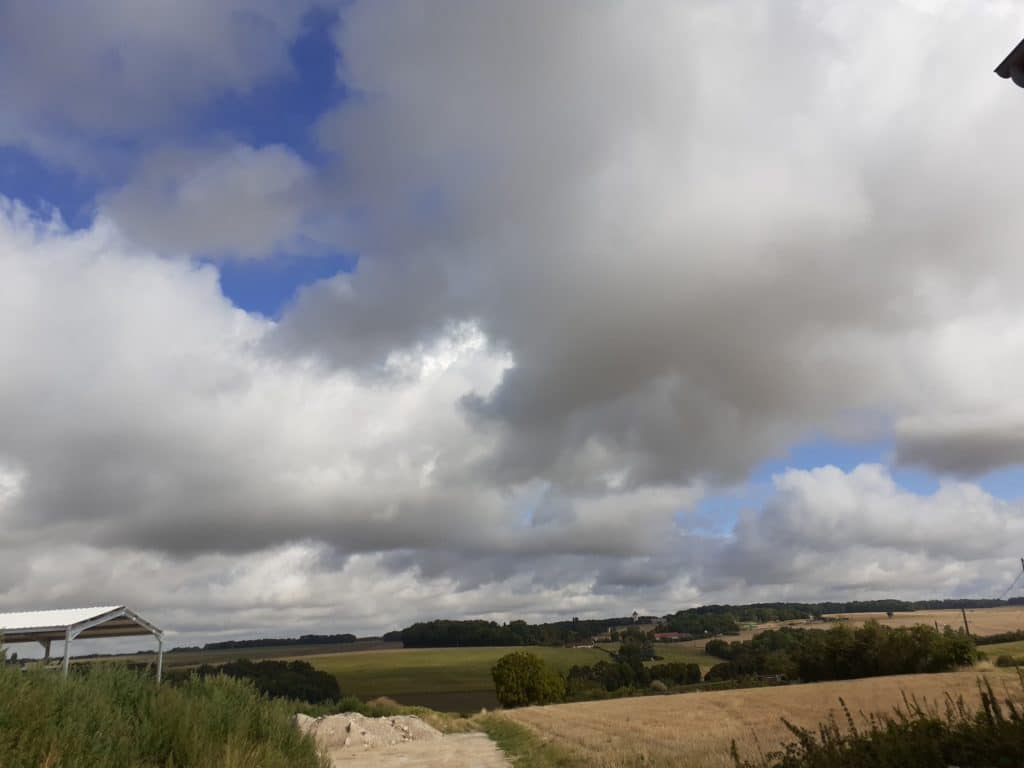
x=403, y=741
x=351, y=730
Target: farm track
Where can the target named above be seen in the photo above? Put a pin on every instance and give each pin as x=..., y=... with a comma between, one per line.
x=456, y=750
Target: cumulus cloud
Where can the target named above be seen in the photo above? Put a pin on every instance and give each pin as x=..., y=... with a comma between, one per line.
x=77, y=78
x=147, y=426
x=234, y=201
x=611, y=256
x=701, y=230
x=860, y=533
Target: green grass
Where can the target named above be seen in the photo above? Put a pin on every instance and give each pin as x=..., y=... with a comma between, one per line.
x=459, y=679
x=449, y=679
x=685, y=653
x=118, y=718
x=525, y=749
x=1003, y=649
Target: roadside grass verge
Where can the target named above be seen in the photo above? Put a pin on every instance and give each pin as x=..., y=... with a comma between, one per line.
x=117, y=718
x=523, y=746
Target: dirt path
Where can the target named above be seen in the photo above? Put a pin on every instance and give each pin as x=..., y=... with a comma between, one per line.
x=456, y=750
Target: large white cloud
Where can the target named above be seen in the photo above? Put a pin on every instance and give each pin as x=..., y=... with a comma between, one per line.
x=610, y=255
x=147, y=431
x=828, y=532
x=703, y=230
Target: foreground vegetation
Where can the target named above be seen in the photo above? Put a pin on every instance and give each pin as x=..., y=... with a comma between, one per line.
x=278, y=679
x=698, y=729
x=916, y=735
x=117, y=718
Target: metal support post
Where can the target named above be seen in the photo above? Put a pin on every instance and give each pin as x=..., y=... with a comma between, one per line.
x=67, y=650
x=159, y=658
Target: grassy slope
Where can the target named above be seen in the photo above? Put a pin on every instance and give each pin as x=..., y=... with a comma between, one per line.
x=413, y=675
x=457, y=679
x=1015, y=649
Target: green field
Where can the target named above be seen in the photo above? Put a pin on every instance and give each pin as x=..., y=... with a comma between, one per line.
x=446, y=679
x=458, y=679
x=1015, y=649
x=688, y=652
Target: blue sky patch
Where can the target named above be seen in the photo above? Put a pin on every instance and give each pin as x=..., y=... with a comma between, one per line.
x=267, y=286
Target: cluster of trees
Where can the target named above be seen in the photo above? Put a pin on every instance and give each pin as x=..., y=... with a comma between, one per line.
x=446, y=633
x=277, y=641
x=278, y=679
x=725, y=619
x=703, y=621
x=624, y=669
x=610, y=676
x=522, y=678
x=841, y=653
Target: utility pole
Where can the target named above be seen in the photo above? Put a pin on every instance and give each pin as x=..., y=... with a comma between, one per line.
x=967, y=629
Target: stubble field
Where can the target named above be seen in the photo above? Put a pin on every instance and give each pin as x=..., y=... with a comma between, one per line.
x=697, y=729
x=982, y=621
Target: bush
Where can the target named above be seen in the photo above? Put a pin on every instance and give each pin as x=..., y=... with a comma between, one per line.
x=116, y=718
x=676, y=673
x=522, y=678
x=658, y=687
x=842, y=653
x=280, y=679
x=916, y=736
x=1007, y=661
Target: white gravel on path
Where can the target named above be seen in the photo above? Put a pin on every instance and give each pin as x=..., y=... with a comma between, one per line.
x=455, y=750
x=402, y=741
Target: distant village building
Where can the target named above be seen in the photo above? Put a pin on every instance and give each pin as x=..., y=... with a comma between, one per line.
x=672, y=637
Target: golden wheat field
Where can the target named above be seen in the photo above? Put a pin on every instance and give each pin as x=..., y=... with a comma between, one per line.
x=982, y=621
x=697, y=729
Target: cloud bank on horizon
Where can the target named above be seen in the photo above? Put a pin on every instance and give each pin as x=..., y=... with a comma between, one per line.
x=605, y=264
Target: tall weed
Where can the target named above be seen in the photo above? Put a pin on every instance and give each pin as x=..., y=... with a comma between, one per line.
x=117, y=718
x=916, y=735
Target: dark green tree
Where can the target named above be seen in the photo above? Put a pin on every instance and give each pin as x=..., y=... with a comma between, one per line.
x=521, y=679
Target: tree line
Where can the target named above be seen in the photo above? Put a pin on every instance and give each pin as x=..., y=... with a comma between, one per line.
x=703, y=621
x=448, y=633
x=841, y=653
x=267, y=642
x=784, y=655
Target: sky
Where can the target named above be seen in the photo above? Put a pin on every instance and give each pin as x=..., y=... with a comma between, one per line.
x=336, y=316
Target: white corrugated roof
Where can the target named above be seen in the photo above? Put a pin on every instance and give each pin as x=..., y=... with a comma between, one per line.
x=65, y=617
